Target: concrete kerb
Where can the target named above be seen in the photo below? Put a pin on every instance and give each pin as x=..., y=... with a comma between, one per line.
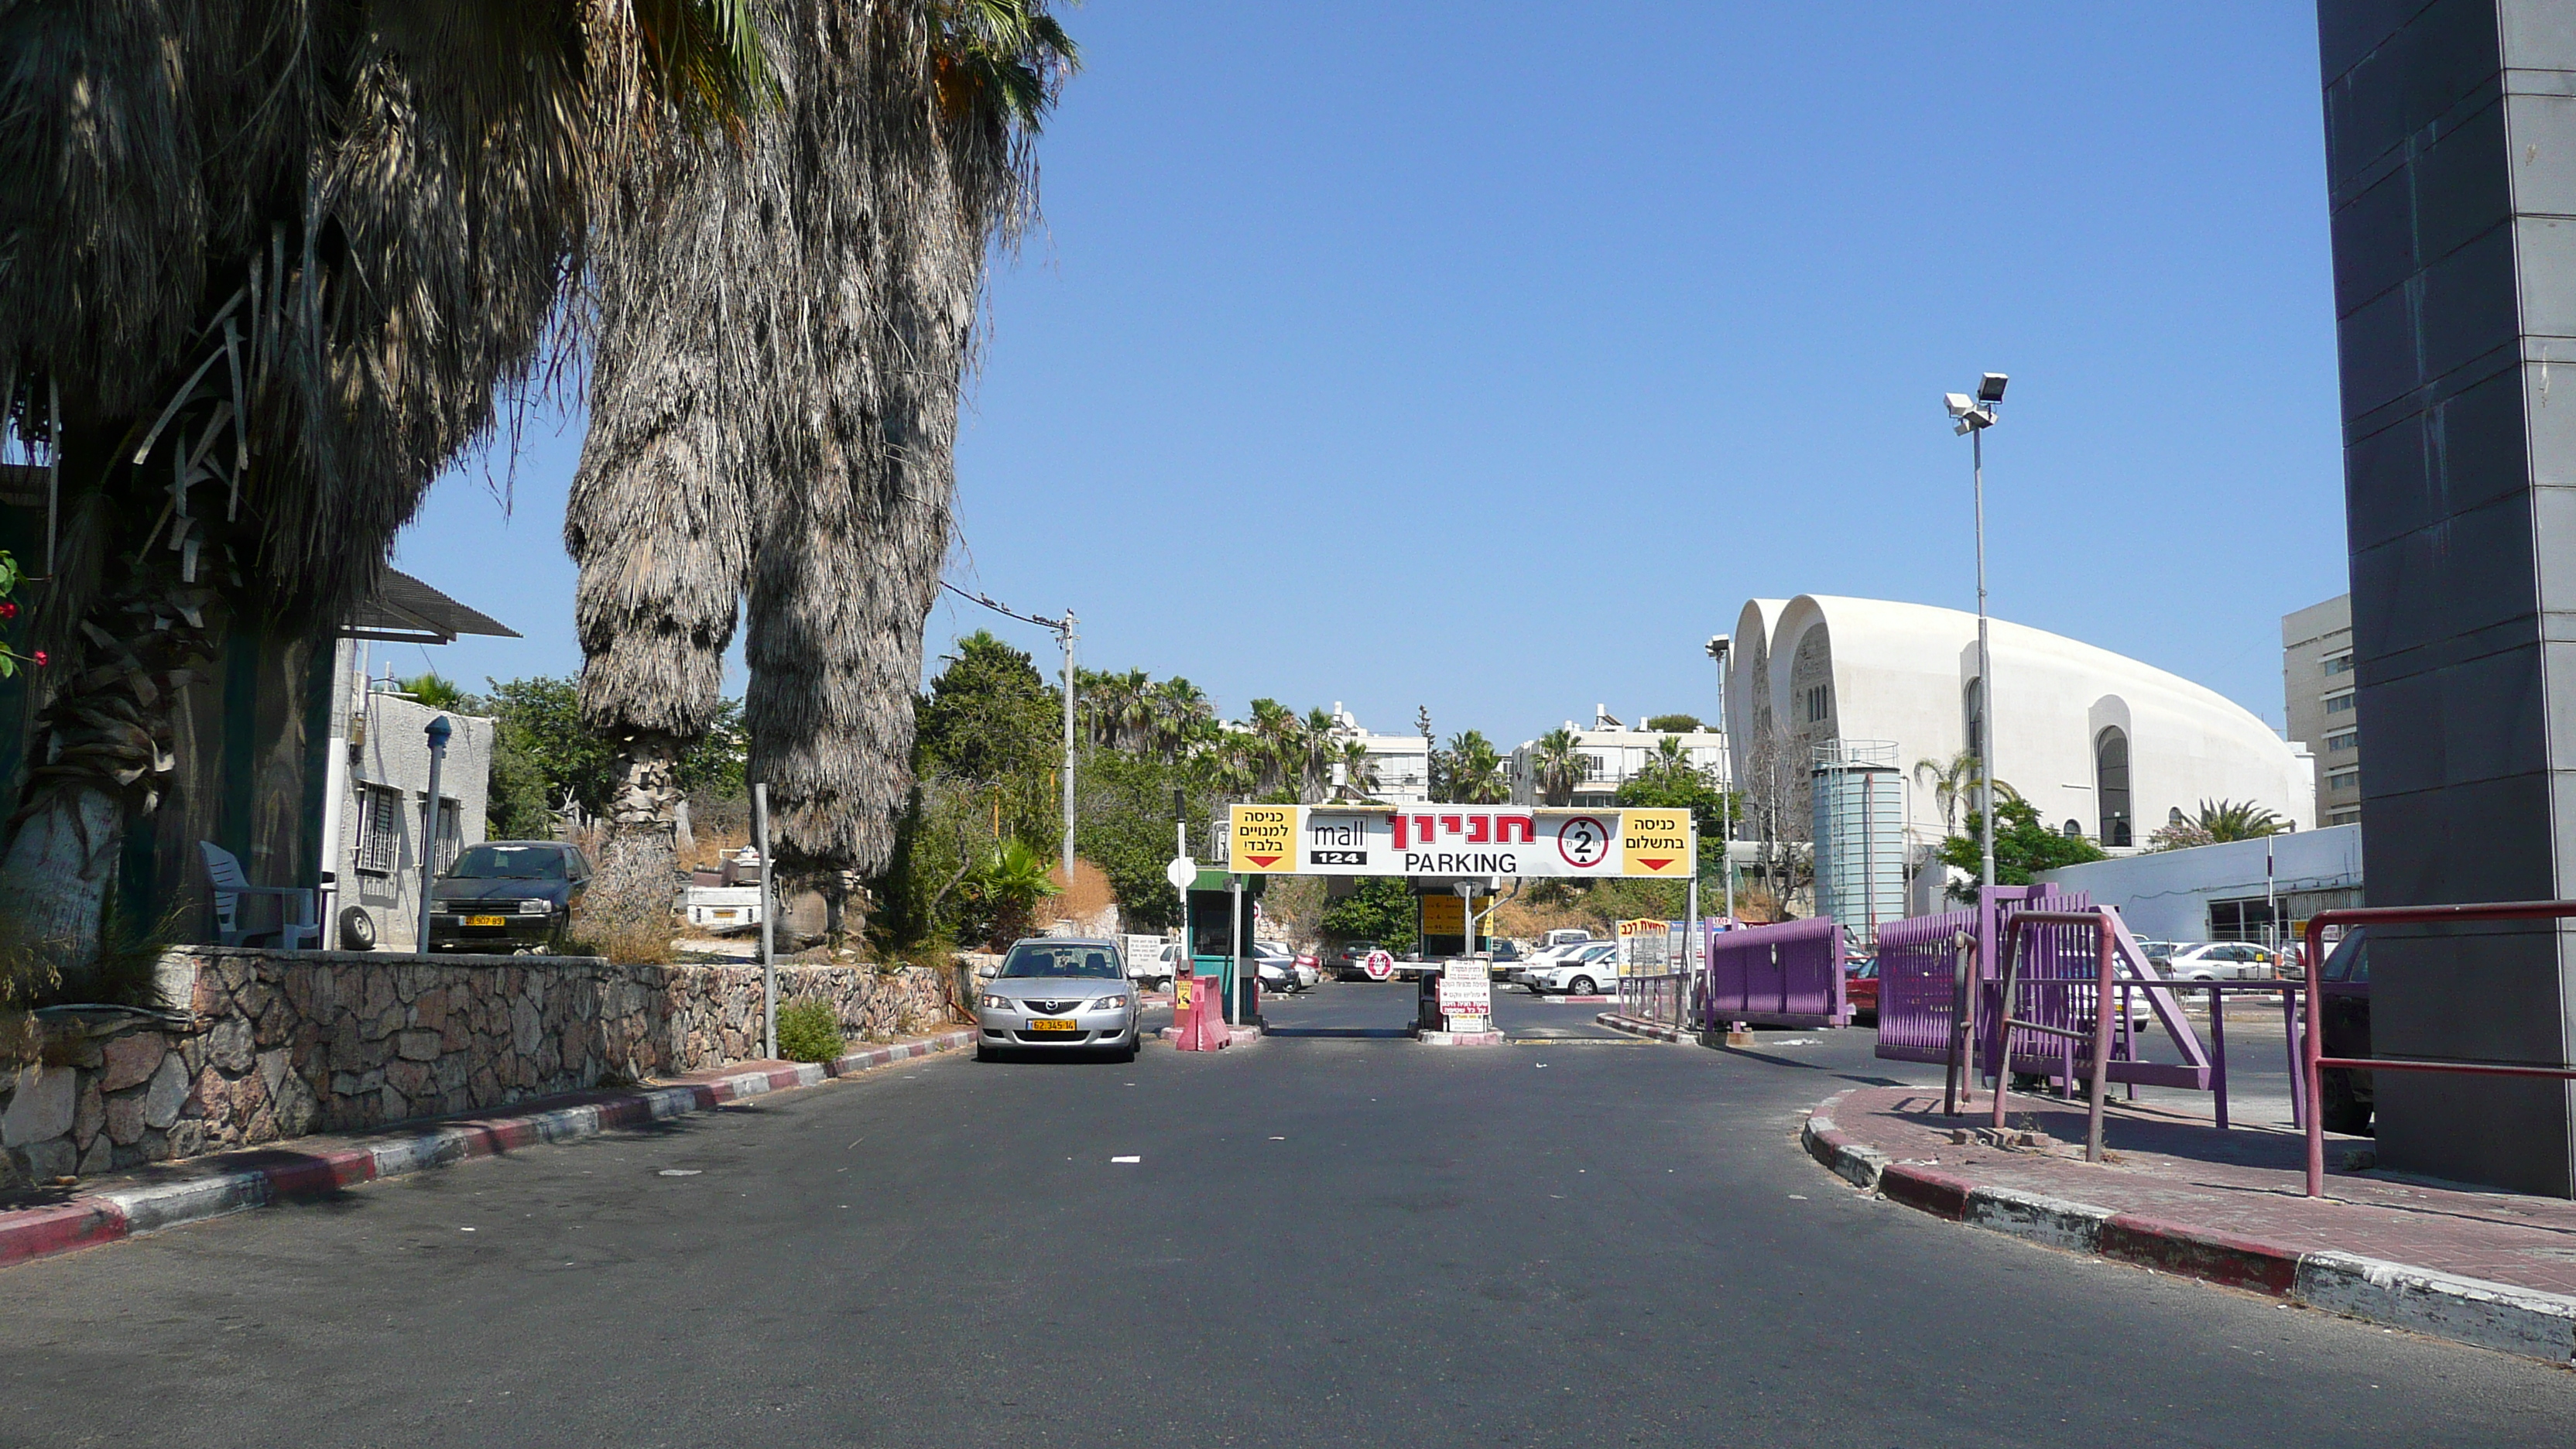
x=238, y=1181
x=1636, y=1027
x=2500, y=1316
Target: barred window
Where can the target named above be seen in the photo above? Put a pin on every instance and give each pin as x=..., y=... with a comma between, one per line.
x=451, y=839
x=379, y=829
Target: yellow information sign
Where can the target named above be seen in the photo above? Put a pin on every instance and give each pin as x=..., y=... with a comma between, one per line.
x=1657, y=843
x=1264, y=840
x=1444, y=915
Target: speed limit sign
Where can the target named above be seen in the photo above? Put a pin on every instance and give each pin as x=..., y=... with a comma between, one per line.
x=1379, y=965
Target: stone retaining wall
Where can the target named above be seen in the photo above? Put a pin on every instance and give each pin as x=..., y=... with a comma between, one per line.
x=277, y=1045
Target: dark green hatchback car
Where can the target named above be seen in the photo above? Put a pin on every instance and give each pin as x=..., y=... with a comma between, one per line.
x=507, y=895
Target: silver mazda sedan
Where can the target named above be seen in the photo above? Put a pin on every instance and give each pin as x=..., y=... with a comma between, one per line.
x=1058, y=992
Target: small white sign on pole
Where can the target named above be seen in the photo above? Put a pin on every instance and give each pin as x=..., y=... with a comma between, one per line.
x=1467, y=996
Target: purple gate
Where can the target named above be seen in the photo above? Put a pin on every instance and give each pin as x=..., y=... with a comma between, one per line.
x=1790, y=974
x=1918, y=960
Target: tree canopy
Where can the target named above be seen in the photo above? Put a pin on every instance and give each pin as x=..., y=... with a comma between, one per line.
x=2024, y=847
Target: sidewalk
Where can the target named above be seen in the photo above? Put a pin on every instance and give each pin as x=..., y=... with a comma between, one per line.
x=2176, y=1194
x=38, y=1223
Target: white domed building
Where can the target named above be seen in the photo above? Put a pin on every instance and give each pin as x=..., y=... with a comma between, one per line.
x=2100, y=744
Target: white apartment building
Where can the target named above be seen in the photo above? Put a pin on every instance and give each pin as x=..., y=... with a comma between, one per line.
x=1402, y=763
x=1615, y=752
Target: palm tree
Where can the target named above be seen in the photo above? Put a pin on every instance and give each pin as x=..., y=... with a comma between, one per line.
x=269, y=266
x=1010, y=885
x=1184, y=720
x=1322, y=748
x=2238, y=820
x=1954, y=786
x=791, y=373
x=1559, y=766
x=1476, y=771
x=1950, y=784
x=1279, y=743
x=1670, y=765
x=1359, y=770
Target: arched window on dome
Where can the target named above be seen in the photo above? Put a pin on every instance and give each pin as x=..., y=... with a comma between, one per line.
x=2111, y=785
x=1972, y=709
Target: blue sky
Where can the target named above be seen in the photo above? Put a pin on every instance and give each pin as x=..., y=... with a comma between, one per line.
x=1487, y=358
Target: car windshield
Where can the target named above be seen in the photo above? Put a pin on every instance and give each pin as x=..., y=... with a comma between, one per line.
x=509, y=862
x=1087, y=961
x=2350, y=961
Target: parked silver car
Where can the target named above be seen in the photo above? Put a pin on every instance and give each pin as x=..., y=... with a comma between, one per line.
x=1056, y=993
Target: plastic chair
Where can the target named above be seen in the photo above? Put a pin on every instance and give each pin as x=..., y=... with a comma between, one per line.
x=224, y=874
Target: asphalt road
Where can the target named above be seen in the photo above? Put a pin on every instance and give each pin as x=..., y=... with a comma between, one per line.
x=1329, y=1239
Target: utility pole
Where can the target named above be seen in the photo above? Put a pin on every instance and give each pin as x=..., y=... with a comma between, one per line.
x=1718, y=647
x=1064, y=632
x=1973, y=416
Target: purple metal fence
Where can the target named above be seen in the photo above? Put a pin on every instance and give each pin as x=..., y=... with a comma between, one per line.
x=1790, y=974
x=1917, y=984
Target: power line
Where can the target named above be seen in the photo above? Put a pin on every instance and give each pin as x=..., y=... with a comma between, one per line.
x=998, y=607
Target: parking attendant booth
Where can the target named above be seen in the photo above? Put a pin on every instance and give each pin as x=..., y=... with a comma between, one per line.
x=1205, y=906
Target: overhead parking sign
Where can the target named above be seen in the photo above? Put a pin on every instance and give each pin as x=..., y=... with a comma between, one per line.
x=1452, y=841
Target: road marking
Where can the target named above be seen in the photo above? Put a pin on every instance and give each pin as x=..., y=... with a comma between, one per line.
x=1127, y=1159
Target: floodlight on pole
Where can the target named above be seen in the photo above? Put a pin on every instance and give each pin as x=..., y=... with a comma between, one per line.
x=1974, y=416
x=1719, y=646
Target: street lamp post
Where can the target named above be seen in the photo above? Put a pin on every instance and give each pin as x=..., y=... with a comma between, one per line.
x=1718, y=646
x=1973, y=416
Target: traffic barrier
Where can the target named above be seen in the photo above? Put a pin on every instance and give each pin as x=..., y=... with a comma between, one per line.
x=1790, y=974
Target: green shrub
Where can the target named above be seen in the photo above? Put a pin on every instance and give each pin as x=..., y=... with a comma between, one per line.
x=809, y=1031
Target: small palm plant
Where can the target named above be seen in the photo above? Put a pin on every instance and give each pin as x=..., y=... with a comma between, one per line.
x=1010, y=885
x=2238, y=820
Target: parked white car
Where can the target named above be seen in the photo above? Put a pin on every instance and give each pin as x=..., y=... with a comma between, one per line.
x=2220, y=961
x=1583, y=970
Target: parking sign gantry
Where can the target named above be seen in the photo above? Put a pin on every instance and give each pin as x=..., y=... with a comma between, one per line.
x=1451, y=841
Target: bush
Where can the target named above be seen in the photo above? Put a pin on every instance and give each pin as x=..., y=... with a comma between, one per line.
x=809, y=1031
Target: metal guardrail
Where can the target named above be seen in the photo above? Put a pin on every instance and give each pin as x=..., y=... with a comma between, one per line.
x=1660, y=998
x=2317, y=1061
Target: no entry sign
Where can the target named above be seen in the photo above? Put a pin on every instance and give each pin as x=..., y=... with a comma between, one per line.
x=1437, y=841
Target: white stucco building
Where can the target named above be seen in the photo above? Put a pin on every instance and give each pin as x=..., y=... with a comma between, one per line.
x=1402, y=762
x=1614, y=753
x=2101, y=744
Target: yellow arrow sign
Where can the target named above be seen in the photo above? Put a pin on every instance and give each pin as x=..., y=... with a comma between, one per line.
x=1265, y=839
x=1656, y=843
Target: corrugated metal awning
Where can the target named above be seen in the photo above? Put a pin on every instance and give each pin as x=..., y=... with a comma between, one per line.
x=406, y=611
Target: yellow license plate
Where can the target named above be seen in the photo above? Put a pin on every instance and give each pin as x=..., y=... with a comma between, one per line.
x=1052, y=1024
x=487, y=920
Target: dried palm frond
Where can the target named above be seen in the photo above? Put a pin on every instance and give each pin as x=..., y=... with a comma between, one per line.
x=841, y=260
x=276, y=260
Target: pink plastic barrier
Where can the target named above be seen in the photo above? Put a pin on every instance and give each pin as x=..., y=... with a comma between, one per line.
x=1198, y=1014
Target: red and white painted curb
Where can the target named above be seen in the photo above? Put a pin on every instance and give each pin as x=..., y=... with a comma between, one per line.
x=231, y=1182
x=2500, y=1316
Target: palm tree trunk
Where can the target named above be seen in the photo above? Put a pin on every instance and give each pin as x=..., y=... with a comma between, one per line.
x=53, y=885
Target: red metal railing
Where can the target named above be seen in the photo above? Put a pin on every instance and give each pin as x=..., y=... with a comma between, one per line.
x=2314, y=1053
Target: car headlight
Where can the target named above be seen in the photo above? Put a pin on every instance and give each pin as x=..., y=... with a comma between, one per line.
x=536, y=908
x=1109, y=1003
x=999, y=1003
